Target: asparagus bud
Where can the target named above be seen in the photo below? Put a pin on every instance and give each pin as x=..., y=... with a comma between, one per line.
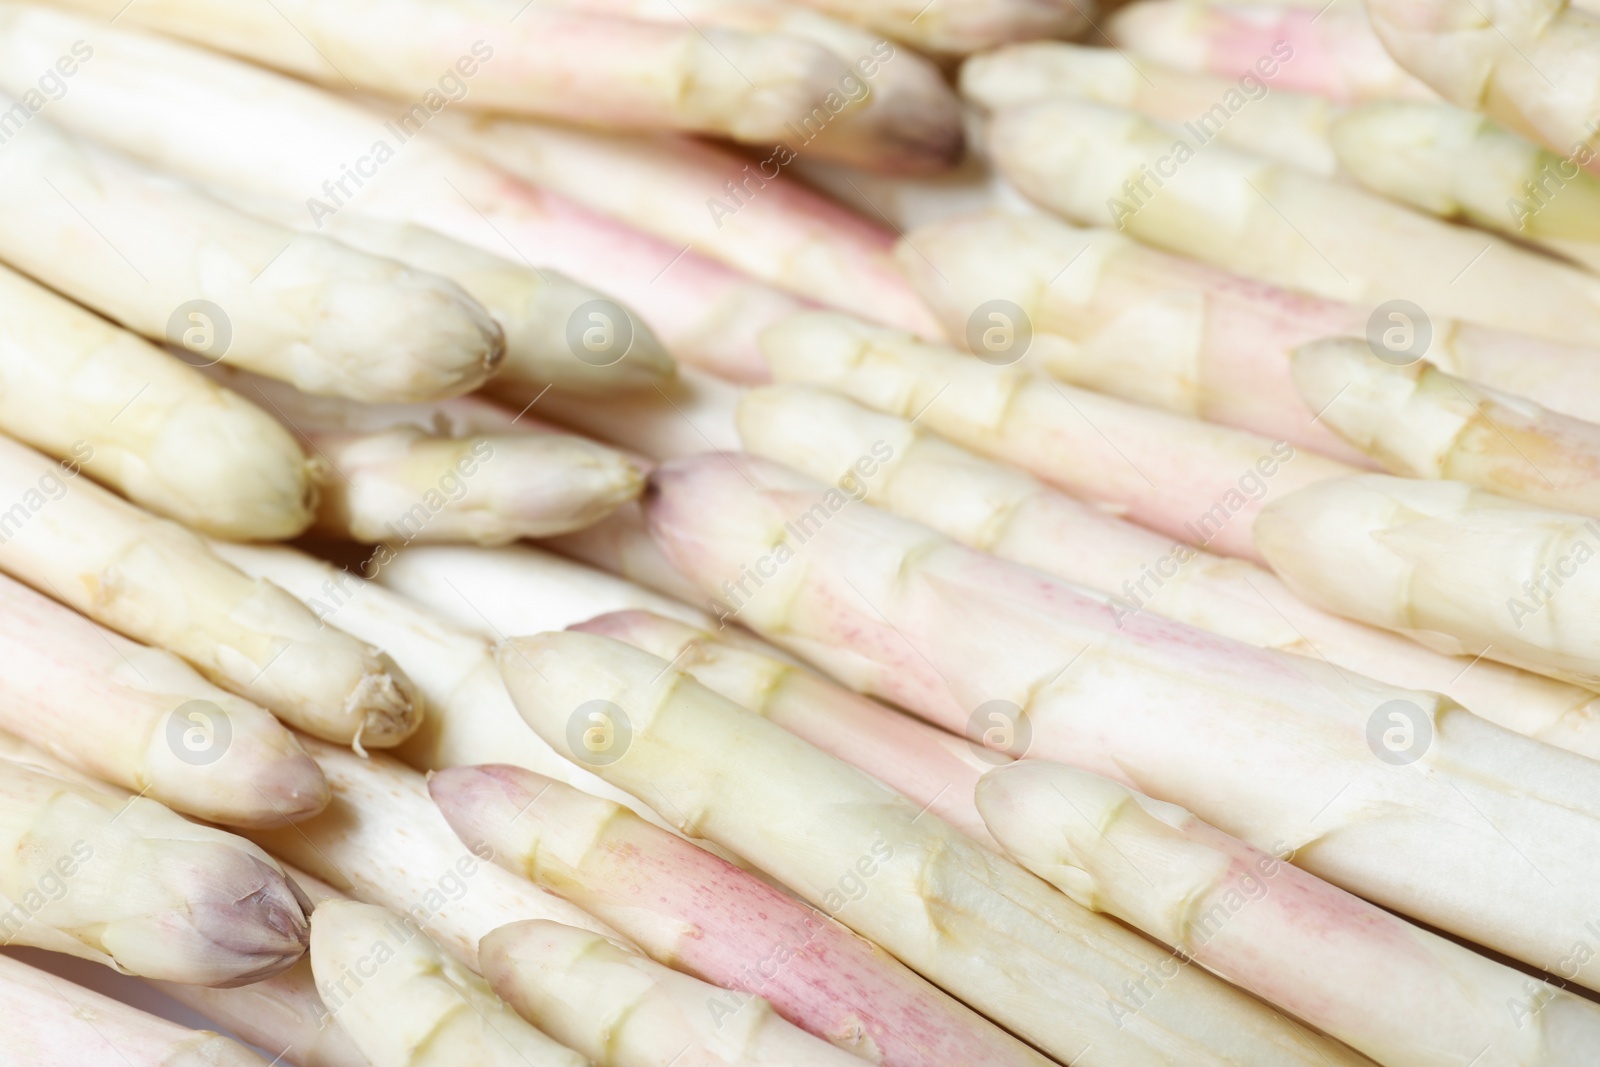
x=129, y=884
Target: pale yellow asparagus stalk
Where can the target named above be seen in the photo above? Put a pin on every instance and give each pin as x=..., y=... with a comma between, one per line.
x=1245, y=112
x=170, y=262
x=1421, y=422
x=406, y=1003
x=382, y=841
x=1529, y=64
x=685, y=417
x=1459, y=569
x=1107, y=166
x=893, y=464
x=1402, y=995
x=979, y=926
x=1457, y=164
x=621, y=1009
x=272, y=136
x=1116, y=316
x=1492, y=841
x=934, y=769
x=696, y=913
x=142, y=719
x=545, y=59
x=51, y=1022
x=1193, y=481
x=208, y=908
x=160, y=433
x=747, y=214
x=1328, y=49
x=156, y=582
x=958, y=27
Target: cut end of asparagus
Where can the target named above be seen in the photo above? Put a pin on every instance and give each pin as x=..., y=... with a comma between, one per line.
x=386, y=703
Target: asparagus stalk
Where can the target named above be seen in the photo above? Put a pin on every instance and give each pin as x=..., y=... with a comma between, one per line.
x=1246, y=113
x=406, y=1003
x=973, y=923
x=144, y=424
x=934, y=769
x=621, y=1009
x=210, y=908
x=1420, y=422
x=621, y=545
x=276, y=137
x=1490, y=843
x=156, y=582
x=1003, y=511
x=1326, y=49
x=50, y=1022
x=963, y=26
x=1496, y=60
x=169, y=262
x=140, y=718
x=906, y=203
x=1197, y=483
x=1101, y=165
x=691, y=415
x=1112, y=315
x=748, y=215
x=1402, y=995
x=383, y=842
x=1414, y=556
x=697, y=914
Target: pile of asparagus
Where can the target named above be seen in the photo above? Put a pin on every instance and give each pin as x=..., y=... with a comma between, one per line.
x=799, y=533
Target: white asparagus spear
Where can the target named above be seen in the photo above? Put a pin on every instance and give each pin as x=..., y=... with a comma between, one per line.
x=934, y=769
x=1490, y=843
x=1327, y=49
x=382, y=841
x=1275, y=123
x=1457, y=164
x=156, y=582
x=746, y=213
x=958, y=27
x=685, y=417
x=1402, y=995
x=1530, y=66
x=405, y=1003
x=160, y=433
x=1106, y=166
x=170, y=262
x=905, y=203
x=544, y=59
x=620, y=544
x=272, y=136
x=621, y=1009
x=698, y=914
x=1459, y=569
x=128, y=883
x=1420, y=422
x=1110, y=314
x=977, y=925
x=51, y=1022
x=1198, y=483
x=1006, y=512
x=142, y=719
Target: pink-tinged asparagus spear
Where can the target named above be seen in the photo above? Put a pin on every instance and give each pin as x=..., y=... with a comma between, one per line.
x=962, y=26
x=686, y=417
x=979, y=926
x=934, y=769
x=1110, y=314
x=692, y=911
x=142, y=719
x=894, y=465
x=1531, y=66
x=1107, y=166
x=1275, y=123
x=621, y=544
x=1420, y=422
x=621, y=1009
x=746, y=213
x=1493, y=842
x=1193, y=481
x=1330, y=50
x=276, y=137
x=50, y=1022
x=486, y=56
x=1402, y=995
